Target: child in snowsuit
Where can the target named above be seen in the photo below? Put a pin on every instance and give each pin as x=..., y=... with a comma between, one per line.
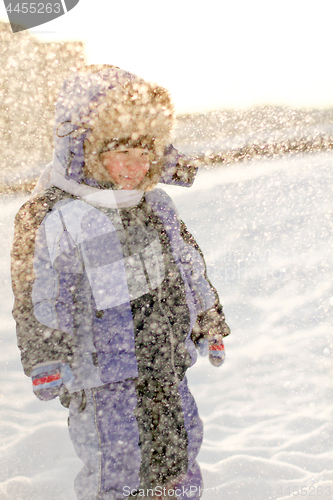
x=109, y=287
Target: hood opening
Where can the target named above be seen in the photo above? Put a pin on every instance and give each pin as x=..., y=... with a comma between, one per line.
x=102, y=106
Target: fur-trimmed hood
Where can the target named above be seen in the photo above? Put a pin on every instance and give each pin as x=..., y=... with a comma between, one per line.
x=101, y=105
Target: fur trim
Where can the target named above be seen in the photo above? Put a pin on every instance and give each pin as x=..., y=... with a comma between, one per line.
x=135, y=111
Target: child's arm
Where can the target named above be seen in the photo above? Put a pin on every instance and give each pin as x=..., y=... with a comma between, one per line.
x=210, y=327
x=37, y=342
x=178, y=169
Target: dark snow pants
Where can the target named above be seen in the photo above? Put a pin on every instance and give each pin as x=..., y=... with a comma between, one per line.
x=134, y=444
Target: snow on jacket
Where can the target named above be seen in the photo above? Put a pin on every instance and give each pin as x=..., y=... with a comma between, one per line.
x=74, y=286
x=67, y=253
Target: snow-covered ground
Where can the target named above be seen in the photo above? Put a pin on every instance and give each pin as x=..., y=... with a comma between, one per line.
x=266, y=231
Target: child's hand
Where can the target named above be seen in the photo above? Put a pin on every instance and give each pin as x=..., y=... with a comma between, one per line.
x=48, y=379
x=216, y=353
x=213, y=347
x=208, y=333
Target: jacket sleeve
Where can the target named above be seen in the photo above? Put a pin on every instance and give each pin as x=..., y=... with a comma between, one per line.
x=178, y=169
x=211, y=321
x=37, y=342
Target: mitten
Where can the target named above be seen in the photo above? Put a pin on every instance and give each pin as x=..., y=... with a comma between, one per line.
x=48, y=379
x=208, y=333
x=216, y=353
x=213, y=347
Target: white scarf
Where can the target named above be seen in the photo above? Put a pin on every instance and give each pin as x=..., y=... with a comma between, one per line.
x=54, y=175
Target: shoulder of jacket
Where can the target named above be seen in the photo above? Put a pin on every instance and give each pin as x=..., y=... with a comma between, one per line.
x=34, y=210
x=158, y=195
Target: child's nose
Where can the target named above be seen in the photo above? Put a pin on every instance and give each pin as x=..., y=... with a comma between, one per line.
x=133, y=165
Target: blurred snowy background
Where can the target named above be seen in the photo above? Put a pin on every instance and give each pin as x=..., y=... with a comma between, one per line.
x=31, y=75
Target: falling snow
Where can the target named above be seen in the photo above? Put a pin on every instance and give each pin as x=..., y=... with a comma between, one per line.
x=266, y=230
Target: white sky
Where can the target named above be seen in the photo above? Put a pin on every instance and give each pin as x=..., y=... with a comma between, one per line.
x=211, y=54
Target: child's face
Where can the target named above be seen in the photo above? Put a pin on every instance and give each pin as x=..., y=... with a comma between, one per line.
x=127, y=166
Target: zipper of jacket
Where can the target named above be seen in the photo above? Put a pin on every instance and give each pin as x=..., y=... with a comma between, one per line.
x=164, y=314
x=171, y=335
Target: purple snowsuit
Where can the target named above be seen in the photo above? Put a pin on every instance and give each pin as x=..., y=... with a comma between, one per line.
x=114, y=291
